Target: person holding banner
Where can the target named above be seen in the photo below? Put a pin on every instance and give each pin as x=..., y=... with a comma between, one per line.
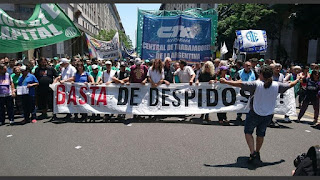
x=289, y=78
x=7, y=93
x=67, y=73
x=97, y=75
x=138, y=74
x=185, y=73
x=122, y=77
x=81, y=76
x=262, y=104
x=207, y=74
x=168, y=70
x=108, y=78
x=15, y=79
x=26, y=88
x=222, y=73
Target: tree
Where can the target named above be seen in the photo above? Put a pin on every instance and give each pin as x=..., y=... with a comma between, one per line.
x=234, y=17
x=105, y=35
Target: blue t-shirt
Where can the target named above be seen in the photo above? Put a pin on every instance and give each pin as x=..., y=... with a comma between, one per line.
x=247, y=76
x=29, y=79
x=84, y=77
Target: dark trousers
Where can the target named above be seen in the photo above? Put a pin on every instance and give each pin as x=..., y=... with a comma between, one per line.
x=18, y=104
x=305, y=104
x=6, y=103
x=29, y=107
x=222, y=116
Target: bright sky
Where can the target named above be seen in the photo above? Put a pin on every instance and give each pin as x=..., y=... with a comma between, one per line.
x=129, y=13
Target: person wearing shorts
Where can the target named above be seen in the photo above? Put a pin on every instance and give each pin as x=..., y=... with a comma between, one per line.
x=263, y=98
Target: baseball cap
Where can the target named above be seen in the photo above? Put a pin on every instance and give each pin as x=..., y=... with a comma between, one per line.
x=55, y=58
x=116, y=59
x=94, y=66
x=23, y=68
x=261, y=60
x=108, y=62
x=123, y=64
x=137, y=61
x=223, y=68
x=65, y=60
x=147, y=61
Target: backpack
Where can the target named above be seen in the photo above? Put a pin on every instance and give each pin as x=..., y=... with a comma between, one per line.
x=308, y=164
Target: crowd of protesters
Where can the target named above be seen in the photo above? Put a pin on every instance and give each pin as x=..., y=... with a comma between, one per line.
x=24, y=85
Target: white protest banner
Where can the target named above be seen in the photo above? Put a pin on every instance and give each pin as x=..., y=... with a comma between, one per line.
x=175, y=99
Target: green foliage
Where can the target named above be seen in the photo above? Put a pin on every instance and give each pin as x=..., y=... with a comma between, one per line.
x=108, y=35
x=234, y=17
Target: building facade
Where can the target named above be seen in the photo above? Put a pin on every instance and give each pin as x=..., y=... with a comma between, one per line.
x=90, y=18
x=184, y=6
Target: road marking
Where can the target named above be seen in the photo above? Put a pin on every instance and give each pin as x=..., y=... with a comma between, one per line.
x=129, y=124
x=78, y=147
x=10, y=135
x=308, y=131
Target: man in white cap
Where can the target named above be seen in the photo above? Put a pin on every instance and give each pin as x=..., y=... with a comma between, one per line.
x=67, y=73
x=108, y=78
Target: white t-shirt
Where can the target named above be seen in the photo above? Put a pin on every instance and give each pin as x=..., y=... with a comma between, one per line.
x=68, y=72
x=106, y=77
x=155, y=75
x=185, y=74
x=265, y=99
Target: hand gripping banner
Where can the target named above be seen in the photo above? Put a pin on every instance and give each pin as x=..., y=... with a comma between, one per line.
x=175, y=99
x=48, y=25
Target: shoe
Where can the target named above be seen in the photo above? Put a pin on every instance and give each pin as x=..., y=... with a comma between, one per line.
x=23, y=121
x=11, y=123
x=287, y=119
x=258, y=158
x=298, y=121
x=254, y=156
x=314, y=122
x=239, y=119
x=34, y=121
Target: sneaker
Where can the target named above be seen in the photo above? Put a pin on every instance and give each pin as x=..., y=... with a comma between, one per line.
x=34, y=121
x=252, y=157
x=287, y=119
x=11, y=123
x=258, y=158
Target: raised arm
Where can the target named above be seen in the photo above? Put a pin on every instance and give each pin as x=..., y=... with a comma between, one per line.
x=231, y=83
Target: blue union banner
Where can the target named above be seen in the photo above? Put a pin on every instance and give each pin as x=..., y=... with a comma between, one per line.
x=178, y=37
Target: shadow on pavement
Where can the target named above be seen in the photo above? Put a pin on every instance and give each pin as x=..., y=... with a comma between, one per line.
x=242, y=162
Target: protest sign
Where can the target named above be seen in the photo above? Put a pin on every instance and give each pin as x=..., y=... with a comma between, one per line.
x=251, y=41
x=175, y=99
x=177, y=37
x=103, y=49
x=48, y=25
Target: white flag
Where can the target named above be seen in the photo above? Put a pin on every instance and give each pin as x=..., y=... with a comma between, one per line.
x=224, y=49
x=234, y=56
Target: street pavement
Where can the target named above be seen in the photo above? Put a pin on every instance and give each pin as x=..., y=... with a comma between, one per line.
x=162, y=148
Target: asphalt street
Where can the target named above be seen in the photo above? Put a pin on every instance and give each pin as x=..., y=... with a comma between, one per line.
x=162, y=148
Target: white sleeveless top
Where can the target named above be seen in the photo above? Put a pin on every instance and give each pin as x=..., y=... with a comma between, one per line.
x=264, y=100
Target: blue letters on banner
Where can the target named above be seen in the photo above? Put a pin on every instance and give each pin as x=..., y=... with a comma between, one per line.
x=178, y=37
x=252, y=37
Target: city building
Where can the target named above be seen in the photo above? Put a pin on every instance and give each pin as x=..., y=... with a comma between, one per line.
x=90, y=18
